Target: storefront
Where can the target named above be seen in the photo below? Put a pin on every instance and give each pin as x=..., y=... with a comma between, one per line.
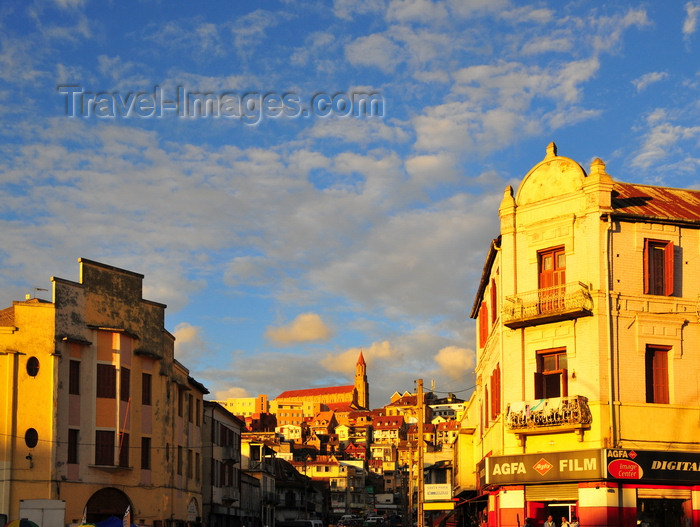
x=609, y=487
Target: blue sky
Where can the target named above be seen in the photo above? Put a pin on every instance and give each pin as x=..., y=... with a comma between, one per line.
x=286, y=237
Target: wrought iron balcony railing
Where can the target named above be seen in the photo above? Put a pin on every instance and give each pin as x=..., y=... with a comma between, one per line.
x=549, y=304
x=547, y=413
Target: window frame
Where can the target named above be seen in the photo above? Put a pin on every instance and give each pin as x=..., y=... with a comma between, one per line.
x=104, y=447
x=656, y=368
x=106, y=376
x=542, y=374
x=145, y=453
x=73, y=441
x=124, y=384
x=652, y=277
x=146, y=389
x=74, y=377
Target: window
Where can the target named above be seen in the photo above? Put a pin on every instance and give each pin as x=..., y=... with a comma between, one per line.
x=146, y=389
x=180, y=401
x=125, y=384
x=657, y=374
x=496, y=392
x=494, y=300
x=124, y=450
x=32, y=366
x=179, y=461
x=551, y=376
x=106, y=381
x=190, y=471
x=658, y=267
x=104, y=447
x=31, y=437
x=73, y=445
x=197, y=464
x=552, y=267
x=483, y=324
x=145, y=453
x=74, y=377
x=190, y=407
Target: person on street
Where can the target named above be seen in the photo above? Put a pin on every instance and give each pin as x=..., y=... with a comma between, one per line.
x=550, y=522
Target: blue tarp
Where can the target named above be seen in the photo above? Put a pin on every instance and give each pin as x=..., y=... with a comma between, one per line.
x=112, y=521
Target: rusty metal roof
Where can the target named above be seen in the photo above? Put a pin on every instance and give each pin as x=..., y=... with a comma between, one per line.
x=656, y=202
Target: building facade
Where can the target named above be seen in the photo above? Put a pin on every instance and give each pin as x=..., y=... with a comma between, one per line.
x=586, y=401
x=95, y=410
x=221, y=489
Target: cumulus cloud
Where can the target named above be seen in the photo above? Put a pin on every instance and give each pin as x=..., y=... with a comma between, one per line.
x=306, y=327
x=190, y=346
x=455, y=362
x=233, y=392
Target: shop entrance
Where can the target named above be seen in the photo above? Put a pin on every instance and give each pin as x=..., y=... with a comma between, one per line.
x=655, y=512
x=560, y=510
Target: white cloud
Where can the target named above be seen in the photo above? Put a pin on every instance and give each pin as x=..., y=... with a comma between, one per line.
x=662, y=140
x=690, y=24
x=374, y=50
x=647, y=79
x=346, y=361
x=190, y=347
x=306, y=327
x=421, y=11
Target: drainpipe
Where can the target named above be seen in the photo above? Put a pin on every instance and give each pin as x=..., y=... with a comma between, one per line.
x=611, y=344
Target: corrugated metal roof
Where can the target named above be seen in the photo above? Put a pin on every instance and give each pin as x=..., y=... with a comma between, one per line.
x=656, y=202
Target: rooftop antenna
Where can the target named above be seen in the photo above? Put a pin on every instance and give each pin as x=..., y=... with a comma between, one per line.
x=38, y=289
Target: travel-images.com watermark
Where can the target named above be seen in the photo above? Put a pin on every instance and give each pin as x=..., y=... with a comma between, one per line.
x=248, y=107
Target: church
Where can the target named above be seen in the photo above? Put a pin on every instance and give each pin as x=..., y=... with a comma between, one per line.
x=338, y=398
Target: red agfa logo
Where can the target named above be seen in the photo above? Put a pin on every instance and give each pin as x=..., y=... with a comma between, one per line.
x=543, y=466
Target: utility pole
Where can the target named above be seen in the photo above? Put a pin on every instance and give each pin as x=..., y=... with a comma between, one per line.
x=421, y=475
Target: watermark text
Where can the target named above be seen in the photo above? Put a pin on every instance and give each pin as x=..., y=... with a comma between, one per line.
x=248, y=107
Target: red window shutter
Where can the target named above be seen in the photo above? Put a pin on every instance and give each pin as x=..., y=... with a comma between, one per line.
x=661, y=376
x=493, y=301
x=486, y=406
x=668, y=269
x=539, y=388
x=646, y=267
x=483, y=324
x=564, y=383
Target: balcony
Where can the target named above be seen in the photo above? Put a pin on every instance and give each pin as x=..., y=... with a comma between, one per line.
x=230, y=494
x=543, y=416
x=549, y=304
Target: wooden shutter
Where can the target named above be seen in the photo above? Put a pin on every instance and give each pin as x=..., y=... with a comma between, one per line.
x=564, y=382
x=647, y=278
x=539, y=386
x=668, y=269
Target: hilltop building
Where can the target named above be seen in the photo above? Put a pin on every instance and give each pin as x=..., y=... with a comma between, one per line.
x=586, y=400
x=335, y=398
x=96, y=412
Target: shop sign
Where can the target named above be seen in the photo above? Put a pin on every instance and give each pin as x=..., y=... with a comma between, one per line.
x=648, y=465
x=548, y=467
x=437, y=491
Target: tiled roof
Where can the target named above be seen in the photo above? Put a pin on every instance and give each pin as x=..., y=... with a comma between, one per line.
x=656, y=202
x=7, y=316
x=310, y=392
x=448, y=425
x=386, y=423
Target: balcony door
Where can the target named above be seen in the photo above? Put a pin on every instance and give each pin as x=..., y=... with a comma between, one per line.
x=552, y=273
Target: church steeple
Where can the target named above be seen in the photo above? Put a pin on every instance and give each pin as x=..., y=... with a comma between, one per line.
x=361, y=384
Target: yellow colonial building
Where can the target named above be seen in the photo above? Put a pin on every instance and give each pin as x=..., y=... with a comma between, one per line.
x=587, y=396
x=96, y=415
